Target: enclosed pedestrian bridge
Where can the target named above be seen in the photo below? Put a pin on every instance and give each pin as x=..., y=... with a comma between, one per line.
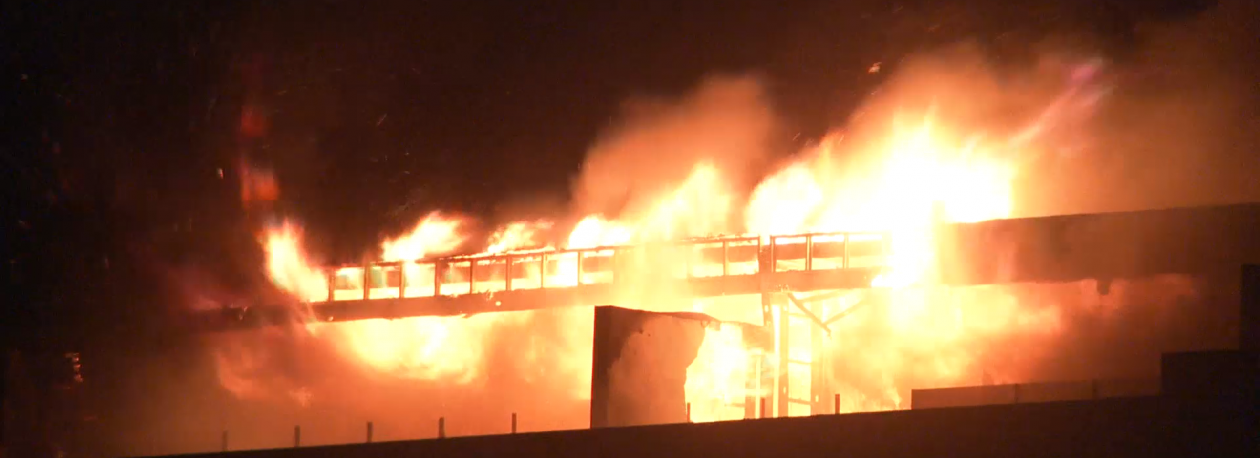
x=1198, y=240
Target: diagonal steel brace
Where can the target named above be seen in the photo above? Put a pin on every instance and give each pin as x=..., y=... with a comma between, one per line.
x=800, y=304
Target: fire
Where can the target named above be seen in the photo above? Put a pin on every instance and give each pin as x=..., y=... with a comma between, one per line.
x=435, y=234
x=923, y=175
x=594, y=231
x=288, y=266
x=785, y=202
x=920, y=170
x=517, y=235
x=699, y=206
x=424, y=348
x=716, y=380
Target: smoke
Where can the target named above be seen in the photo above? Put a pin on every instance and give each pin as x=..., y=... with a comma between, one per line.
x=996, y=334
x=258, y=385
x=1171, y=124
x=1177, y=128
x=726, y=122
x=477, y=371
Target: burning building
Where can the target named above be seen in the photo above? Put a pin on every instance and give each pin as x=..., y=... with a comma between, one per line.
x=869, y=267
x=903, y=253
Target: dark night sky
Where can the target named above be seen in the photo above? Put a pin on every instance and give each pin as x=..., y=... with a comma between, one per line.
x=122, y=112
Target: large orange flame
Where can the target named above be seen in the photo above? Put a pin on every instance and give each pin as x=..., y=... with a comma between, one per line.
x=289, y=267
x=434, y=235
x=918, y=175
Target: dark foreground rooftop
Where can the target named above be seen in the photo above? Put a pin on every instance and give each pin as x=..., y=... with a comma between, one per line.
x=1154, y=426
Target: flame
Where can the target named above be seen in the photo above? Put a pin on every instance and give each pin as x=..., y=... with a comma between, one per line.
x=785, y=202
x=516, y=235
x=288, y=266
x=923, y=175
x=716, y=385
x=424, y=348
x=594, y=231
x=698, y=207
x=920, y=173
x=435, y=234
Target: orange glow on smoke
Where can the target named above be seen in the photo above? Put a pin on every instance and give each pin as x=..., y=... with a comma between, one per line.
x=699, y=207
x=257, y=185
x=916, y=176
x=426, y=348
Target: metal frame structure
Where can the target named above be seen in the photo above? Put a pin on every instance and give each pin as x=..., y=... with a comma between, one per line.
x=701, y=258
x=467, y=285
x=1058, y=248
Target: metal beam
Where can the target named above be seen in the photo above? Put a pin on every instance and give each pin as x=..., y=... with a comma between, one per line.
x=808, y=313
x=1201, y=240
x=505, y=301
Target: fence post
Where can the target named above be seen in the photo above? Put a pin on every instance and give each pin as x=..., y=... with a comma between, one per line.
x=225, y=440
x=726, y=257
x=513, y=422
x=297, y=436
x=688, y=412
x=762, y=411
x=507, y=276
x=837, y=408
x=542, y=271
x=332, y=285
x=809, y=252
x=402, y=279
x=439, y=269
x=441, y=427
x=369, y=432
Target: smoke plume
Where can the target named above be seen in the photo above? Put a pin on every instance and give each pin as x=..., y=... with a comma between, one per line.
x=1172, y=125
x=1178, y=126
x=726, y=122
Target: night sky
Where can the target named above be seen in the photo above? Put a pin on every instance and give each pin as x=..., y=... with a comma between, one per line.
x=121, y=116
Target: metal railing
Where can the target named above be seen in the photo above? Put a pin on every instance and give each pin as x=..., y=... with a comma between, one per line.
x=685, y=260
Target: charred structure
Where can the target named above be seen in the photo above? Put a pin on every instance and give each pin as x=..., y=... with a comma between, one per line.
x=789, y=307
x=1103, y=247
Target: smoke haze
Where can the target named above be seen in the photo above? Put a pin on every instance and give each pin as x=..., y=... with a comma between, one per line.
x=1174, y=125
x=727, y=122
